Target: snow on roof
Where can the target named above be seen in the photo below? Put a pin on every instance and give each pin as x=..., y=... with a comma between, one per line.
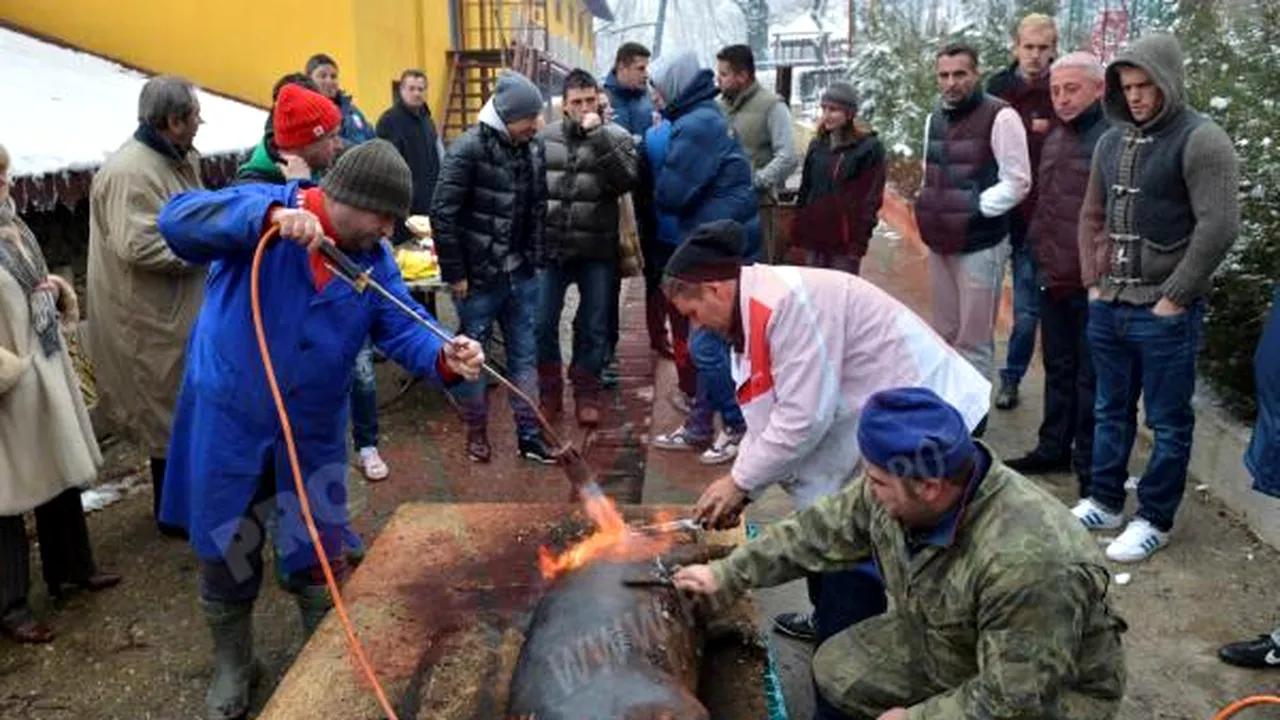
x=68, y=110
x=805, y=24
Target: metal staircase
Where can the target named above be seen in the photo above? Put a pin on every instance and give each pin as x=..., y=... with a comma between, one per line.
x=495, y=35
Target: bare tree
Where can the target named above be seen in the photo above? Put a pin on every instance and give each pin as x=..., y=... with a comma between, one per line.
x=756, y=13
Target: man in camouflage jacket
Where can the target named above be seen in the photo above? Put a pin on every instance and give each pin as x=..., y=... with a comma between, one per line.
x=998, y=595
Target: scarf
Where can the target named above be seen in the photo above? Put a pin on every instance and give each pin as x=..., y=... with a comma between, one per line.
x=20, y=256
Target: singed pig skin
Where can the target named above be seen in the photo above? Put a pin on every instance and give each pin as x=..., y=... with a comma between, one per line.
x=597, y=648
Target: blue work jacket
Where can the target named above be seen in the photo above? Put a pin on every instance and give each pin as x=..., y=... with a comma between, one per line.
x=227, y=437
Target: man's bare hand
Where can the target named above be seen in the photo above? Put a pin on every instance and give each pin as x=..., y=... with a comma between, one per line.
x=721, y=504
x=294, y=167
x=894, y=714
x=1094, y=294
x=697, y=579
x=464, y=356
x=459, y=290
x=300, y=226
x=1167, y=308
x=590, y=121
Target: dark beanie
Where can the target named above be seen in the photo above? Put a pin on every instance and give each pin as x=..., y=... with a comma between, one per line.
x=913, y=433
x=516, y=97
x=842, y=93
x=711, y=252
x=371, y=176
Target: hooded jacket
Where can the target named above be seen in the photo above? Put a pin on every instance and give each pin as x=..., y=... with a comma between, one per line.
x=587, y=171
x=413, y=132
x=705, y=175
x=841, y=190
x=1161, y=210
x=489, y=210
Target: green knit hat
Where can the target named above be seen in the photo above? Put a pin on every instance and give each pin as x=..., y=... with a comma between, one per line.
x=371, y=176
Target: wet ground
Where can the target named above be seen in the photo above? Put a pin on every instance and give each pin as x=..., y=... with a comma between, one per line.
x=141, y=650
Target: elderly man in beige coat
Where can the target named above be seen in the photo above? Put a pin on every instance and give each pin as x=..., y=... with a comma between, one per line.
x=142, y=299
x=47, y=448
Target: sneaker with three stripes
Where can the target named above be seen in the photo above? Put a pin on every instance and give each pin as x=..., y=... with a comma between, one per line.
x=1138, y=542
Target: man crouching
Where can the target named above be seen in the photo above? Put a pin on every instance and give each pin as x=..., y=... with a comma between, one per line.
x=230, y=476
x=999, y=595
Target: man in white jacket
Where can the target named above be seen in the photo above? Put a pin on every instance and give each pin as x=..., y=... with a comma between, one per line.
x=809, y=347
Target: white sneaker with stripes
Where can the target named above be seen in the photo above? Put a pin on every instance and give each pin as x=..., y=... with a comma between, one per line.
x=1096, y=517
x=1137, y=543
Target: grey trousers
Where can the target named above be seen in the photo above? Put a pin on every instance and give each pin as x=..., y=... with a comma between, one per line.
x=966, y=300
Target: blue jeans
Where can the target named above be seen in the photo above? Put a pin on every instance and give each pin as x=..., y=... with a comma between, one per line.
x=364, y=400
x=1263, y=456
x=1026, y=311
x=512, y=302
x=1134, y=349
x=715, y=392
x=594, y=279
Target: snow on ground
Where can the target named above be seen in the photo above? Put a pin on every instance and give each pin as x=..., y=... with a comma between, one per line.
x=68, y=110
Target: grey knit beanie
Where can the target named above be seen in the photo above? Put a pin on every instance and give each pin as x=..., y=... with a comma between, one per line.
x=516, y=97
x=371, y=176
x=842, y=93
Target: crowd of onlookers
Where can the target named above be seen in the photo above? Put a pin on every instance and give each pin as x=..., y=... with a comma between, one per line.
x=1112, y=199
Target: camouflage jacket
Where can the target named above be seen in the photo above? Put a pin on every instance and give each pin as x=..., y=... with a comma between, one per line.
x=1010, y=612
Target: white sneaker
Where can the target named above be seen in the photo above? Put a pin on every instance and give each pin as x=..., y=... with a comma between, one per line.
x=678, y=439
x=372, y=466
x=723, y=450
x=1137, y=543
x=1096, y=517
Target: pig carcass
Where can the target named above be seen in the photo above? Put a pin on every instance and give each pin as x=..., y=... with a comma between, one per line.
x=600, y=645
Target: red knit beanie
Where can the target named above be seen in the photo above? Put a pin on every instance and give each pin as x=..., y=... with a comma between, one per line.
x=301, y=117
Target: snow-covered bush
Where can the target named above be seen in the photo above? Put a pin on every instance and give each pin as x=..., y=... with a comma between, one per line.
x=1233, y=75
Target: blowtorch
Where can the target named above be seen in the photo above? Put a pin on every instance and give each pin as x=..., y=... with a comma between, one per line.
x=570, y=459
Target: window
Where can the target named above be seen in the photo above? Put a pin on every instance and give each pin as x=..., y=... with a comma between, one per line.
x=559, y=9
x=572, y=15
x=583, y=22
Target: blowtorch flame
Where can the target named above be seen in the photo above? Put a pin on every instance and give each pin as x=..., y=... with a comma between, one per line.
x=612, y=540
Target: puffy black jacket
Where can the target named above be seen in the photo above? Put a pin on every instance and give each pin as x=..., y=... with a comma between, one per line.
x=413, y=133
x=586, y=174
x=489, y=211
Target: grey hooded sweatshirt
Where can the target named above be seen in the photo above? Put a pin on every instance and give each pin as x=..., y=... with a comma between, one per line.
x=1161, y=210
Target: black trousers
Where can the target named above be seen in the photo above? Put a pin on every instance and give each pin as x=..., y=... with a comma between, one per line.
x=1067, y=428
x=840, y=600
x=65, y=554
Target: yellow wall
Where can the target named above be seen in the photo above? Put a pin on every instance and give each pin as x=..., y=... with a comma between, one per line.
x=241, y=47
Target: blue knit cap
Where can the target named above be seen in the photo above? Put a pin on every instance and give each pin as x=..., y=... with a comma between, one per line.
x=913, y=433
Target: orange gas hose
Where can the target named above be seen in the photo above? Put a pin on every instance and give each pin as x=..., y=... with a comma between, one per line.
x=357, y=650
x=1248, y=702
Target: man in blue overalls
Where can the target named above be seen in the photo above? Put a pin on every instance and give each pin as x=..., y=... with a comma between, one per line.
x=230, y=475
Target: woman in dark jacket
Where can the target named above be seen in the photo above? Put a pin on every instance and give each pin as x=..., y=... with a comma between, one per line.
x=356, y=128
x=841, y=187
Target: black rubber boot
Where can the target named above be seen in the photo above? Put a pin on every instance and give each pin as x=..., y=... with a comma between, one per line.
x=313, y=603
x=235, y=672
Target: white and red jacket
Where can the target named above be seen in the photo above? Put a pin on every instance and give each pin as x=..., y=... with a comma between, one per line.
x=816, y=344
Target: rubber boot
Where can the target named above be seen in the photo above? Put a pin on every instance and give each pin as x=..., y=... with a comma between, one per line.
x=233, y=676
x=313, y=602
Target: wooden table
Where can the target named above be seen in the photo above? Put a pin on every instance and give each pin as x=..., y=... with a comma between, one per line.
x=441, y=603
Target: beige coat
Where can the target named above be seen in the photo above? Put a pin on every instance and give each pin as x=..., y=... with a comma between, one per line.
x=46, y=440
x=142, y=300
